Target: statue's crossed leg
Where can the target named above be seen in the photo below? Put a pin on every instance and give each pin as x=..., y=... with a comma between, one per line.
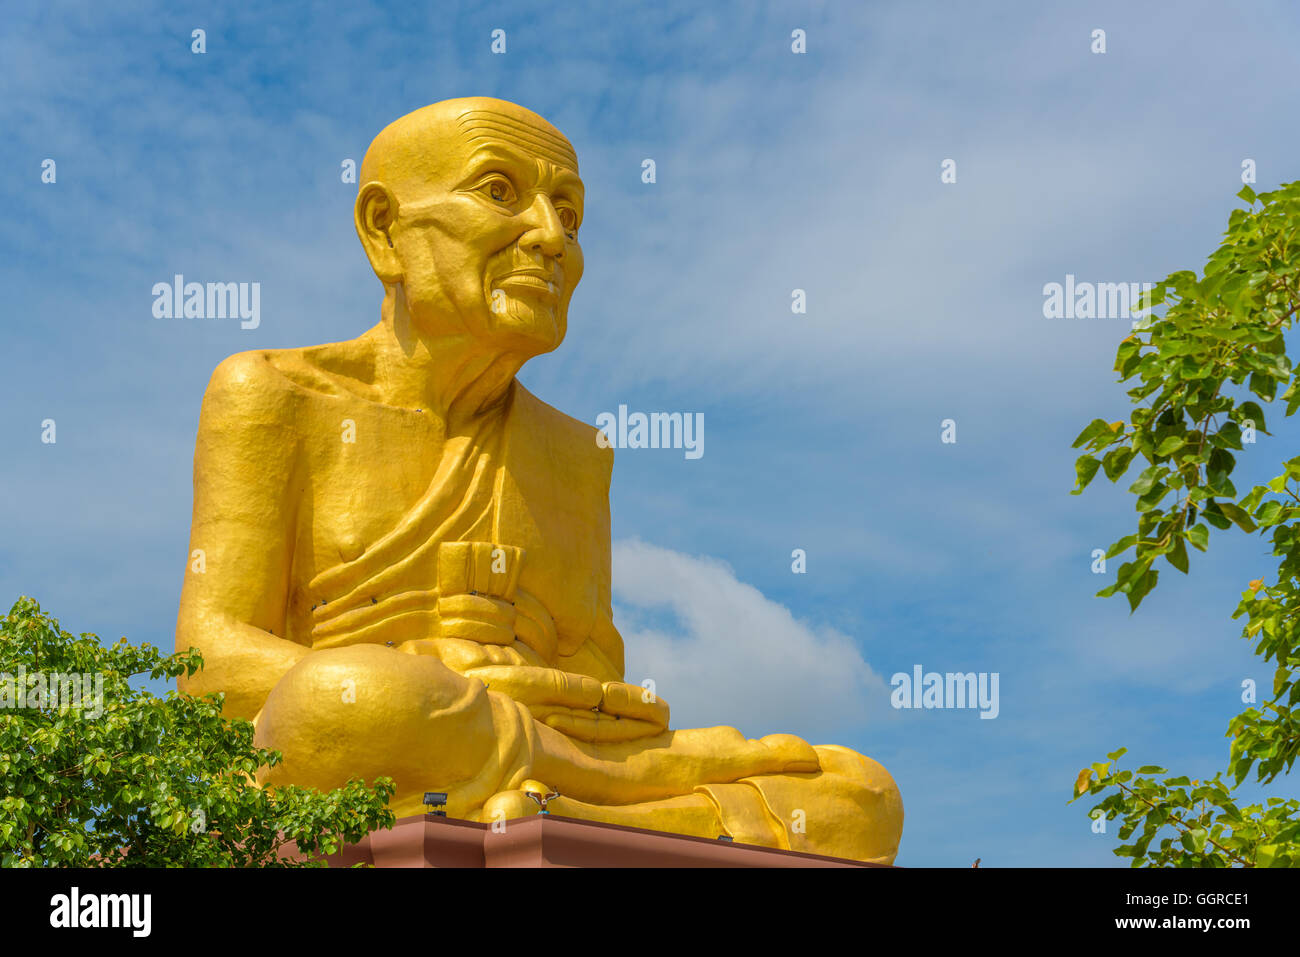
x=438, y=730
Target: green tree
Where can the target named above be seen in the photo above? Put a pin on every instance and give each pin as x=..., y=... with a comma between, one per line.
x=1200, y=371
x=118, y=777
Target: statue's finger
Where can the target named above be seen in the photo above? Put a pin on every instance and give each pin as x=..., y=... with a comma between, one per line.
x=601, y=728
x=540, y=686
x=633, y=701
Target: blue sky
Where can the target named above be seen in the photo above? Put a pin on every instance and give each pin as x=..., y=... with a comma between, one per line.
x=775, y=171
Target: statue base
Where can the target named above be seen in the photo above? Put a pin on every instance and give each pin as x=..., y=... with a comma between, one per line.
x=548, y=840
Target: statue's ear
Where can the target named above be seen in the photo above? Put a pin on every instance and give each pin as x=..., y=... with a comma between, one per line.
x=374, y=215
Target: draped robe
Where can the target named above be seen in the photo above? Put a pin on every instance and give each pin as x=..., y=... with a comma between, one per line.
x=518, y=510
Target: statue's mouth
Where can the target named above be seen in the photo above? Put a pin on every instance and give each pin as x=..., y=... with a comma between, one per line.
x=531, y=282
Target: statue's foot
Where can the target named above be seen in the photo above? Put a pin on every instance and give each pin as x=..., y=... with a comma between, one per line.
x=690, y=814
x=508, y=806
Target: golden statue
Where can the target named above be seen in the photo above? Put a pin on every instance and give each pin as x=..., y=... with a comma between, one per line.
x=405, y=556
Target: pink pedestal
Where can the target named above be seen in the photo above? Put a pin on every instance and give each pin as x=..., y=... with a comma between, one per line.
x=547, y=840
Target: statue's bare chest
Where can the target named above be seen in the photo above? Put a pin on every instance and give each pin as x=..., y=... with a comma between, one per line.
x=365, y=466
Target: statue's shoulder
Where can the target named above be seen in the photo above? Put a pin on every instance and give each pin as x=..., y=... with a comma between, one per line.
x=241, y=371
x=269, y=377
x=242, y=377
x=247, y=381
x=570, y=438
x=247, y=405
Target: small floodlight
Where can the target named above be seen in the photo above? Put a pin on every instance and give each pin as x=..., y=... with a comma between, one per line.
x=435, y=801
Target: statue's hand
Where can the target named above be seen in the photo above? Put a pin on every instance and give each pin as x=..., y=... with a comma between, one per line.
x=492, y=620
x=481, y=618
x=633, y=701
x=625, y=713
x=462, y=656
x=577, y=705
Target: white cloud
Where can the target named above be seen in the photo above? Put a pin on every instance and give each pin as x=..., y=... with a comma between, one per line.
x=732, y=656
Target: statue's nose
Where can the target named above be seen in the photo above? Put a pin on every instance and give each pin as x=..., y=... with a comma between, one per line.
x=546, y=232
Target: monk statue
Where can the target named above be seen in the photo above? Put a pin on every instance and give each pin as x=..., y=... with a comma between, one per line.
x=402, y=557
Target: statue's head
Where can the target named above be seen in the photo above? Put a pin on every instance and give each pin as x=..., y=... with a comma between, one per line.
x=469, y=212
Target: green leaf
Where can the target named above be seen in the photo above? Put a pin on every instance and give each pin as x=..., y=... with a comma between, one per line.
x=1238, y=516
x=1268, y=512
x=1264, y=386
x=1250, y=411
x=1125, y=543
x=1152, y=498
x=1084, y=468
x=1146, y=480
x=1292, y=398
x=1091, y=431
x=1212, y=513
x=1140, y=587
x=1116, y=462
x=1194, y=840
x=1170, y=445
x=1178, y=556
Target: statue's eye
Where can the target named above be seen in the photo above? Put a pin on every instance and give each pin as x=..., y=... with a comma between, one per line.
x=499, y=189
x=568, y=218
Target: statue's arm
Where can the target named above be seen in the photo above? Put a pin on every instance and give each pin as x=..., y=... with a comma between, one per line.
x=600, y=655
x=604, y=644
x=233, y=603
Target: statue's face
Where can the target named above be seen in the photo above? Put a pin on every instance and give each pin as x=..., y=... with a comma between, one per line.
x=491, y=245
